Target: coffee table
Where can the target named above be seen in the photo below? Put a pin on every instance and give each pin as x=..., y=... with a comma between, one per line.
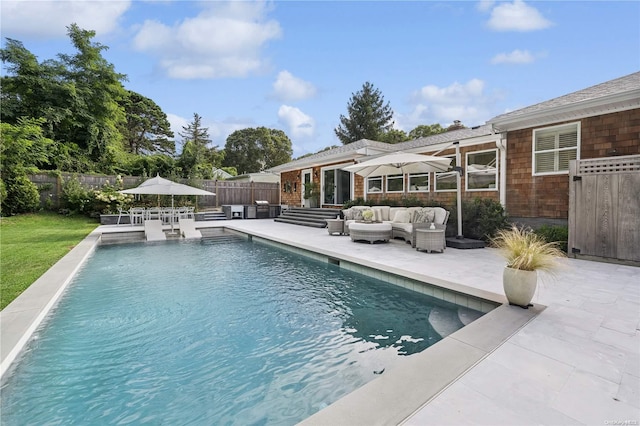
x=371, y=232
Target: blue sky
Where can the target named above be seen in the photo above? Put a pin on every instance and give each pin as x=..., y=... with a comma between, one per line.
x=294, y=65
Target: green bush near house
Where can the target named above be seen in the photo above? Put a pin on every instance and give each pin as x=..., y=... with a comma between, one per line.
x=555, y=234
x=482, y=219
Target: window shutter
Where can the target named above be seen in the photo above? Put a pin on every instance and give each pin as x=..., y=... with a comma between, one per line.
x=568, y=140
x=545, y=142
x=545, y=162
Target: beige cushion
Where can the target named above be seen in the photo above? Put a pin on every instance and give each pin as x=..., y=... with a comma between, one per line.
x=440, y=215
x=384, y=212
x=407, y=227
x=402, y=216
x=394, y=210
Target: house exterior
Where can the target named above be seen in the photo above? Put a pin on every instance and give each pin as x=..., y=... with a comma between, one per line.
x=596, y=122
x=520, y=159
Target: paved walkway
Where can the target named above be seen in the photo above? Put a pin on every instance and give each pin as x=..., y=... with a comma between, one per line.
x=578, y=362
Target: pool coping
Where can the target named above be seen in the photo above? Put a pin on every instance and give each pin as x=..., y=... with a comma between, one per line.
x=425, y=375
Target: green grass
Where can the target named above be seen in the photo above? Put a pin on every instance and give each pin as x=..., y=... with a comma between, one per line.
x=30, y=244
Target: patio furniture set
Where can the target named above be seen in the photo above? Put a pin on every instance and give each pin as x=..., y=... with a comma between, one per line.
x=422, y=227
x=167, y=215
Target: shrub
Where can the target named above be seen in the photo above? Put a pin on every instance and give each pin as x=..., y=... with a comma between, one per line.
x=75, y=198
x=21, y=196
x=482, y=218
x=108, y=200
x=555, y=234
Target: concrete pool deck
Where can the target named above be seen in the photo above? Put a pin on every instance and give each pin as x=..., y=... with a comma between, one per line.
x=577, y=362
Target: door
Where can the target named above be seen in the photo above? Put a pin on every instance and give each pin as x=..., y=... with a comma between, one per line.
x=306, y=179
x=336, y=186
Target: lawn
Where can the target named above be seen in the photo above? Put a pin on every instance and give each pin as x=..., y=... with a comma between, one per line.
x=30, y=244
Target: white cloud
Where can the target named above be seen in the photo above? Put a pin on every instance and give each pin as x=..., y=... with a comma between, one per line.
x=300, y=124
x=515, y=57
x=485, y=5
x=517, y=16
x=466, y=102
x=289, y=88
x=224, y=40
x=49, y=19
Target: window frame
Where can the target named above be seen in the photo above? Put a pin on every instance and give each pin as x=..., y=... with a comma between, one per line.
x=393, y=178
x=374, y=178
x=557, y=129
x=467, y=172
x=452, y=173
x=412, y=175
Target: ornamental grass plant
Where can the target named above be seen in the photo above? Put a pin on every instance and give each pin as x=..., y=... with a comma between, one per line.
x=527, y=251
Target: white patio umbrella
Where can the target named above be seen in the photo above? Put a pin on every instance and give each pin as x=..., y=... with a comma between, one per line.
x=400, y=162
x=161, y=186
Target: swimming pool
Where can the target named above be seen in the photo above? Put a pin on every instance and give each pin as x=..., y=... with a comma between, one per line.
x=223, y=333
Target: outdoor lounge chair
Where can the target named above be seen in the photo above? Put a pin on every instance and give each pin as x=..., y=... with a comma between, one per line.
x=153, y=230
x=188, y=229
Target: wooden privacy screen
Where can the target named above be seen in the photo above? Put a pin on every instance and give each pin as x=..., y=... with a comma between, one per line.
x=604, y=208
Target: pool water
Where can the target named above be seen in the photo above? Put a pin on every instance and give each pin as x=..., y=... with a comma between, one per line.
x=196, y=333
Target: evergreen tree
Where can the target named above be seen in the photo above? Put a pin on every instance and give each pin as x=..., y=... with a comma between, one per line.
x=147, y=129
x=369, y=116
x=196, y=157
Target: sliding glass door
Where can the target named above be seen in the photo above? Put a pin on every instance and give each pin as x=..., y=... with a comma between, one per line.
x=336, y=186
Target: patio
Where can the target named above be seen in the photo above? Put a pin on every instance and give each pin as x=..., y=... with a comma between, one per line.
x=578, y=362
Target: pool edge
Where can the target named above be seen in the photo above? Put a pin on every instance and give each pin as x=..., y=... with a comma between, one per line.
x=20, y=319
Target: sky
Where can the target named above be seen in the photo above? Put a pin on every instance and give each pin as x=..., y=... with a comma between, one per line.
x=295, y=65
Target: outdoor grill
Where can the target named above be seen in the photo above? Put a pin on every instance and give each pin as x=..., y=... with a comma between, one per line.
x=262, y=209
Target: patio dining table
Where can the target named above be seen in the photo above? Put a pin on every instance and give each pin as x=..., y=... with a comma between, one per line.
x=168, y=215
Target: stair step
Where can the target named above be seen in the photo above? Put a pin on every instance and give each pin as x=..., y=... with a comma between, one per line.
x=299, y=222
x=313, y=217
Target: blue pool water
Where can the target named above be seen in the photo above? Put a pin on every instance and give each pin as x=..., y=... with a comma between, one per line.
x=202, y=334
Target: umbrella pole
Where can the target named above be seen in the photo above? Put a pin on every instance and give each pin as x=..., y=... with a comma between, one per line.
x=459, y=190
x=172, y=215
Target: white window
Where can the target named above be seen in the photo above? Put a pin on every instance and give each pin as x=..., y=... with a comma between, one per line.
x=482, y=173
x=554, y=147
x=447, y=181
x=419, y=183
x=395, y=183
x=374, y=184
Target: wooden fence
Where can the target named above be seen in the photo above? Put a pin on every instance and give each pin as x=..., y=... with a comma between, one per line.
x=604, y=208
x=227, y=192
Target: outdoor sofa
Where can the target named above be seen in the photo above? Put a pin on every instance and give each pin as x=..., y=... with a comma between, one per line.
x=404, y=220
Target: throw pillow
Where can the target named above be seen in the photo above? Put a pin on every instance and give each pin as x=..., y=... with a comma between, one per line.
x=419, y=216
x=357, y=214
x=348, y=214
x=401, y=217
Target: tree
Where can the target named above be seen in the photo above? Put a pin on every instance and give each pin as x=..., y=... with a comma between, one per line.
x=33, y=90
x=23, y=148
x=197, y=160
x=369, y=116
x=425, y=130
x=254, y=150
x=97, y=115
x=394, y=136
x=147, y=129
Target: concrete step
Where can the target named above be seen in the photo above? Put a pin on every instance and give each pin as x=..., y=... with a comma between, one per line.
x=212, y=216
x=302, y=222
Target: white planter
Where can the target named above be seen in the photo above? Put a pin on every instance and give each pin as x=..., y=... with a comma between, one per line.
x=519, y=286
